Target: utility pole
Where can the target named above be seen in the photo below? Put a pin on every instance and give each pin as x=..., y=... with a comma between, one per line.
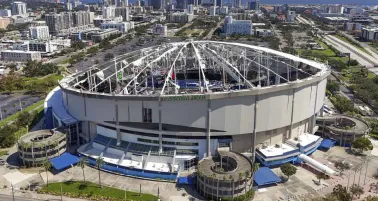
x=12, y=192
x=61, y=192
x=20, y=104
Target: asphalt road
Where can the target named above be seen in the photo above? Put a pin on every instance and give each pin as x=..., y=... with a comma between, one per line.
x=10, y=198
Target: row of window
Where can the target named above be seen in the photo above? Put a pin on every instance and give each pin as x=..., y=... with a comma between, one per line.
x=168, y=142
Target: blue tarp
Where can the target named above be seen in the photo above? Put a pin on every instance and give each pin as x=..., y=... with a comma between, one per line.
x=185, y=180
x=265, y=176
x=63, y=161
x=327, y=143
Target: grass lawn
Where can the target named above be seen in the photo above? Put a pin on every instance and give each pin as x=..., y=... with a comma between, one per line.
x=30, y=108
x=91, y=190
x=345, y=40
x=2, y=153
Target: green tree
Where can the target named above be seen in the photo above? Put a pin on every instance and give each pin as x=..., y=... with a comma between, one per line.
x=362, y=144
x=356, y=189
x=12, y=67
x=333, y=86
x=7, y=137
x=343, y=104
x=108, y=56
x=82, y=163
x=341, y=193
x=46, y=164
x=337, y=64
x=342, y=166
x=288, y=170
x=99, y=163
x=92, y=50
x=24, y=118
x=321, y=176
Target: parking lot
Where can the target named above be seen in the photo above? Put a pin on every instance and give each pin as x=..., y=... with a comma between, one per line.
x=10, y=104
x=303, y=184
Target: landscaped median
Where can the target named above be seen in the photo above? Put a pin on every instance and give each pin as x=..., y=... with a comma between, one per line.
x=92, y=191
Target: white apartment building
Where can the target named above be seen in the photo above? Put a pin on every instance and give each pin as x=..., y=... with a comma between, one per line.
x=216, y=10
x=369, y=33
x=237, y=26
x=352, y=26
x=39, y=32
x=19, y=8
x=159, y=29
x=19, y=55
x=123, y=27
x=108, y=11
x=5, y=13
x=178, y=17
x=290, y=17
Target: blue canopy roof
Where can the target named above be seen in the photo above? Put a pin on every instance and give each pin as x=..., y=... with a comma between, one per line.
x=265, y=176
x=185, y=180
x=63, y=161
x=327, y=143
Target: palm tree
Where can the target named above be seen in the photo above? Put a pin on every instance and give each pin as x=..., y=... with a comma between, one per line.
x=240, y=179
x=47, y=166
x=82, y=163
x=99, y=163
x=255, y=167
x=247, y=173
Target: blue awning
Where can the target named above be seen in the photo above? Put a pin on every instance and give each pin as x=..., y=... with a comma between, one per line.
x=63, y=161
x=327, y=143
x=185, y=180
x=265, y=176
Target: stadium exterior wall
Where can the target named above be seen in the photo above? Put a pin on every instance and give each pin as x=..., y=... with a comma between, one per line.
x=250, y=117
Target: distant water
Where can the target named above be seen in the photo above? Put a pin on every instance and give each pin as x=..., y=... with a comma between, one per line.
x=364, y=2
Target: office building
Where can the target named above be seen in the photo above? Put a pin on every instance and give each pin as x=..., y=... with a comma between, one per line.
x=20, y=55
x=5, y=13
x=123, y=27
x=81, y=18
x=157, y=4
x=42, y=46
x=254, y=5
x=39, y=32
x=369, y=33
x=57, y=22
x=124, y=12
x=352, y=26
x=231, y=26
x=237, y=3
x=93, y=35
x=191, y=8
x=160, y=30
x=290, y=17
x=4, y=22
x=180, y=17
x=18, y=8
x=212, y=10
x=108, y=12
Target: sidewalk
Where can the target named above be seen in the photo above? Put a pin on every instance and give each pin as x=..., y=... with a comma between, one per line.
x=36, y=196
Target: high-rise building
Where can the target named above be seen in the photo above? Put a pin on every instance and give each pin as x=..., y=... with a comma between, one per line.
x=68, y=6
x=290, y=17
x=219, y=3
x=157, y=4
x=108, y=11
x=39, y=32
x=4, y=22
x=190, y=8
x=182, y=4
x=237, y=3
x=5, y=13
x=19, y=8
x=254, y=5
x=81, y=18
x=57, y=22
x=124, y=12
x=195, y=3
x=243, y=27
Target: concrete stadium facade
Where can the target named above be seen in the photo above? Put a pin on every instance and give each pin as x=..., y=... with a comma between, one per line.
x=196, y=124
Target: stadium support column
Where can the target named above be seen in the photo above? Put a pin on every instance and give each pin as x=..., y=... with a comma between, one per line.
x=160, y=130
x=313, y=122
x=208, y=127
x=253, y=141
x=292, y=114
x=117, y=123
